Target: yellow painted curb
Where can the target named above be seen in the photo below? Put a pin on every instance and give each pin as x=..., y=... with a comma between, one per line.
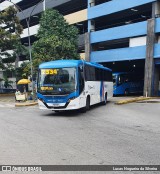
x=121, y=102
x=25, y=104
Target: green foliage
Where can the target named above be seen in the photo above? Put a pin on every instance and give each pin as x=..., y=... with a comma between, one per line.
x=22, y=71
x=7, y=83
x=21, y=50
x=10, y=30
x=56, y=39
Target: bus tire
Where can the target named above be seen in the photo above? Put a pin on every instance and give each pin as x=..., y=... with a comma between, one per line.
x=105, y=99
x=87, y=107
x=88, y=103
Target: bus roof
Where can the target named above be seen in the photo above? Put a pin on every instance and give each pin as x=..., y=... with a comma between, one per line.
x=69, y=63
x=60, y=64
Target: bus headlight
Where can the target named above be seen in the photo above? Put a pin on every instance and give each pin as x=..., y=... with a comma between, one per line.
x=72, y=98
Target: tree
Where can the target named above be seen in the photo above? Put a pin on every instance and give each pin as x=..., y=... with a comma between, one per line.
x=20, y=51
x=10, y=30
x=56, y=39
x=7, y=83
x=23, y=71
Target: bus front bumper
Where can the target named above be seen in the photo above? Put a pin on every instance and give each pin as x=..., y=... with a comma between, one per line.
x=71, y=105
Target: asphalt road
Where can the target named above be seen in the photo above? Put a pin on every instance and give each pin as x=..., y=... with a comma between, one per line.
x=112, y=134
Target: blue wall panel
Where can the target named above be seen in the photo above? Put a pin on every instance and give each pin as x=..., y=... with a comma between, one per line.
x=157, y=29
x=157, y=51
x=114, y=6
x=119, y=32
x=132, y=53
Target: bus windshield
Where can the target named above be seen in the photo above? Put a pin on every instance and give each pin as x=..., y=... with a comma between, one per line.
x=57, y=81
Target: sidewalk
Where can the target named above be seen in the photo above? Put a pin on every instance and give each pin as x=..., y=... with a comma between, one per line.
x=26, y=103
x=7, y=98
x=10, y=98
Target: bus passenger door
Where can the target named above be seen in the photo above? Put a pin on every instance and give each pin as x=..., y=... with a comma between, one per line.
x=82, y=96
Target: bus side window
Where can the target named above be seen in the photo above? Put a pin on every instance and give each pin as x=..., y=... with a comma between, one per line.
x=81, y=80
x=120, y=79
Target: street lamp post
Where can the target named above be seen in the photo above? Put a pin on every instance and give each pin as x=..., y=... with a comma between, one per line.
x=28, y=28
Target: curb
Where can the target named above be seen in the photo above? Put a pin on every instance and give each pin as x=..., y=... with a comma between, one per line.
x=25, y=104
x=121, y=102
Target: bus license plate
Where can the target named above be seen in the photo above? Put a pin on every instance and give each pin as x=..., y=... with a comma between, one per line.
x=55, y=104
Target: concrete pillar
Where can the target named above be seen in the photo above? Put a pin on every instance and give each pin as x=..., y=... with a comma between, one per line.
x=91, y=23
x=155, y=14
x=87, y=47
x=92, y=3
x=149, y=62
x=91, y=27
x=156, y=9
x=151, y=80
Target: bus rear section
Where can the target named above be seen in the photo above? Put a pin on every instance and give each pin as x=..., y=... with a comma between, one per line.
x=125, y=83
x=66, y=85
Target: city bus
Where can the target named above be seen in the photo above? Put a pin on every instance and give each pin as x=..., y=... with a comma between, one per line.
x=125, y=83
x=73, y=84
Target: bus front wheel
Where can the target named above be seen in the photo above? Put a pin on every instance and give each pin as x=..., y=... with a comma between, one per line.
x=105, y=100
x=87, y=107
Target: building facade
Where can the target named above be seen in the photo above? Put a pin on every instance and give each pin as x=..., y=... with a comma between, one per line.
x=121, y=34
x=125, y=35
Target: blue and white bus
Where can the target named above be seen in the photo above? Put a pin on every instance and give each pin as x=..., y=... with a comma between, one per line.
x=125, y=83
x=73, y=84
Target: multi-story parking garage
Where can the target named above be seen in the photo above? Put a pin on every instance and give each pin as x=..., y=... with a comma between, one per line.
x=125, y=35
x=121, y=34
